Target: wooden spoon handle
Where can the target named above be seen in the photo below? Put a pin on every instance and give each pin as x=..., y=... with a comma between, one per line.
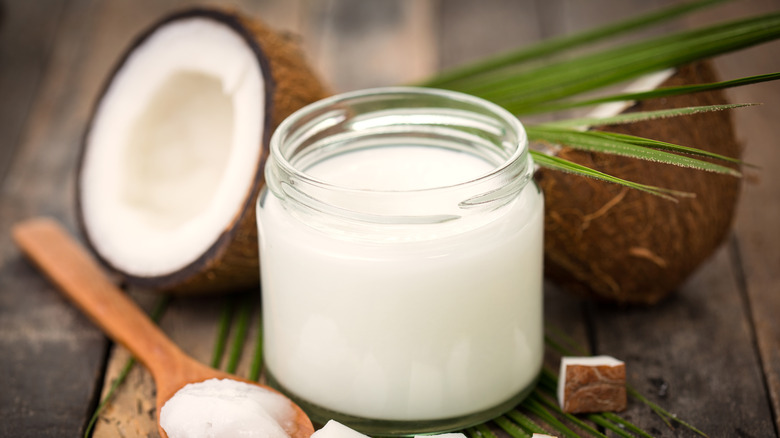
x=77, y=274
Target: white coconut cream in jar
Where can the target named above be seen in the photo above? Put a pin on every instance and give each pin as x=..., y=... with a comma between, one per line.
x=401, y=261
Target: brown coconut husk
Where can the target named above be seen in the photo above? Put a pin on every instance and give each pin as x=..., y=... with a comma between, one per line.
x=616, y=244
x=231, y=263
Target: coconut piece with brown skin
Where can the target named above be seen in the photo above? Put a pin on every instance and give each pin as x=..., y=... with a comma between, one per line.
x=172, y=160
x=592, y=384
x=626, y=246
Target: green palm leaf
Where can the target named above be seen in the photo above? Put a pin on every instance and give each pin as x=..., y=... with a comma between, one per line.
x=597, y=142
x=588, y=122
x=656, y=144
x=524, y=84
x=557, y=163
x=556, y=46
x=652, y=94
x=519, y=90
x=567, y=78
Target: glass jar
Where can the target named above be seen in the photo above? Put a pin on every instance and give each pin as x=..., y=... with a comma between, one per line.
x=401, y=261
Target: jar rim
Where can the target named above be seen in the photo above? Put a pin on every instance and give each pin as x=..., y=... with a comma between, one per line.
x=280, y=159
x=393, y=117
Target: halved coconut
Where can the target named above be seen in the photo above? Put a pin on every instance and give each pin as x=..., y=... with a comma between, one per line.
x=172, y=160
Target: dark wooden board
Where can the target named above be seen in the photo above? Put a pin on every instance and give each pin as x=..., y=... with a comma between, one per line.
x=23, y=59
x=355, y=44
x=692, y=354
x=757, y=241
x=53, y=358
x=49, y=350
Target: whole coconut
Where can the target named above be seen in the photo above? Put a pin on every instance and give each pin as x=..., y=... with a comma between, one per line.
x=626, y=246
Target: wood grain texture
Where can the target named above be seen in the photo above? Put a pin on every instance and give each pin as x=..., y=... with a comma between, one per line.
x=23, y=59
x=502, y=25
x=693, y=355
x=192, y=323
x=53, y=358
x=54, y=374
x=757, y=240
x=357, y=44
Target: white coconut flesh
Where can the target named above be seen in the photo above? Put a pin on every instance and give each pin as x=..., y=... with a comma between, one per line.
x=173, y=147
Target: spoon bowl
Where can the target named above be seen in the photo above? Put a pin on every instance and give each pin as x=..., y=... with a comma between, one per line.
x=79, y=277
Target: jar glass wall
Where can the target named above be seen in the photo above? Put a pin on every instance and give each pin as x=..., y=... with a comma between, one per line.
x=401, y=261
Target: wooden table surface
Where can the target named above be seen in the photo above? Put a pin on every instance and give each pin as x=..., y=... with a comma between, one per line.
x=710, y=353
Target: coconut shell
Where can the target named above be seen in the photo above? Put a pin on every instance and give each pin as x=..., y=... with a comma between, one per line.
x=621, y=245
x=231, y=263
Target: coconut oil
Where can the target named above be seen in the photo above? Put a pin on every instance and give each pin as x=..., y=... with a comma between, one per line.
x=401, y=261
x=226, y=408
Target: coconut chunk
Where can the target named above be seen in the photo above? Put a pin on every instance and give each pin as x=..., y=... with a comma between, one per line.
x=334, y=429
x=542, y=435
x=592, y=384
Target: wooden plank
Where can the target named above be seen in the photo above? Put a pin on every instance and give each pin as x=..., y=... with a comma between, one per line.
x=23, y=57
x=692, y=354
x=568, y=16
x=356, y=44
x=56, y=371
x=52, y=356
x=756, y=226
x=51, y=376
x=757, y=239
x=469, y=31
x=192, y=323
x=282, y=15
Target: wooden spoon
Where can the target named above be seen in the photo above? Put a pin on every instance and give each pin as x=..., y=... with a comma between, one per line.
x=79, y=277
